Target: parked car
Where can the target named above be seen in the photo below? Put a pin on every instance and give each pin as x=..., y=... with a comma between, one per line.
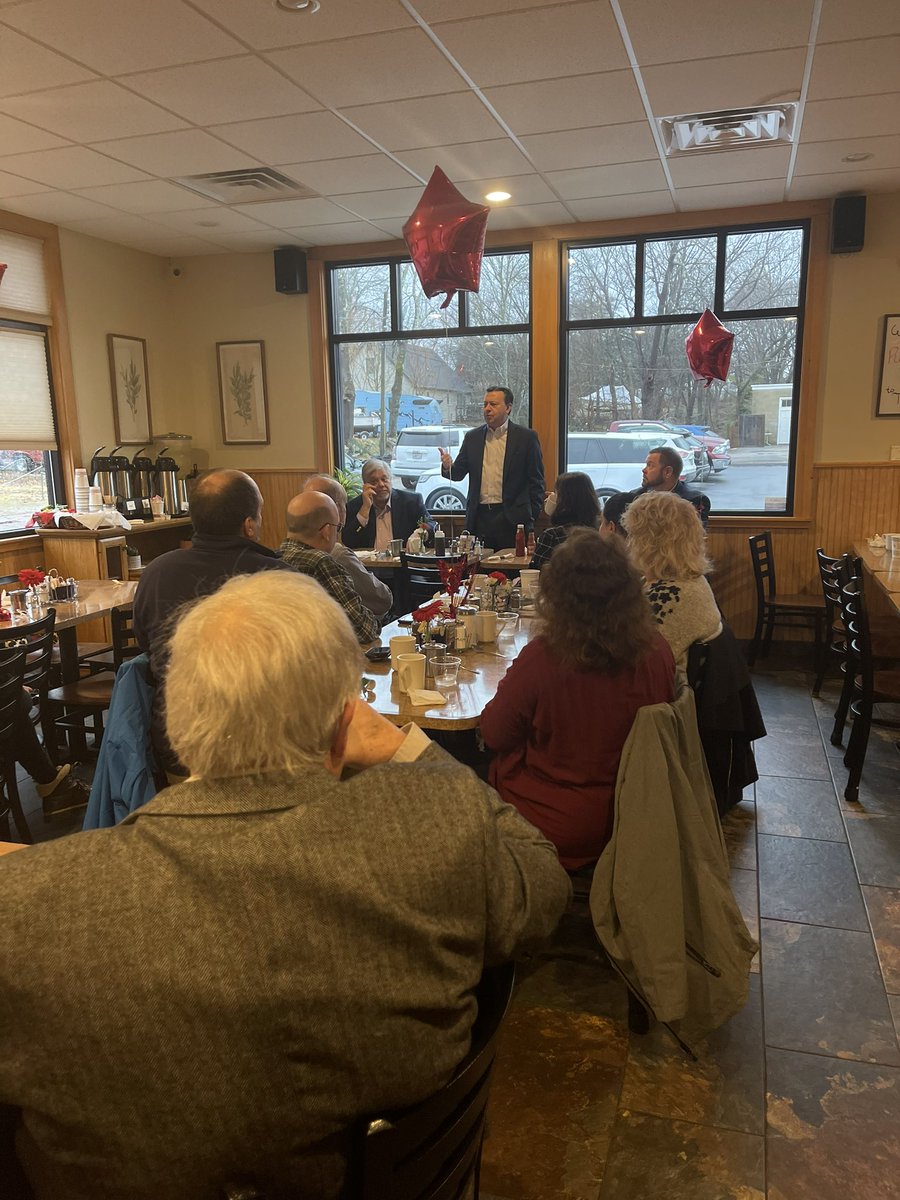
x=614, y=460
x=21, y=460
x=703, y=434
x=418, y=451
x=442, y=495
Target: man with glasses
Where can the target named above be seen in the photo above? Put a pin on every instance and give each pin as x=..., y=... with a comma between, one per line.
x=382, y=512
x=313, y=525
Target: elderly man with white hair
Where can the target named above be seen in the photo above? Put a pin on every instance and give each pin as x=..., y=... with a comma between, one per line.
x=381, y=512
x=226, y=982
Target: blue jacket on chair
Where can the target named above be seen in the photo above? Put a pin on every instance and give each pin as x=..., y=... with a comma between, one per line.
x=126, y=769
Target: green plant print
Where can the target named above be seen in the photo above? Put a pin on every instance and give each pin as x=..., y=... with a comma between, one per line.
x=132, y=383
x=240, y=384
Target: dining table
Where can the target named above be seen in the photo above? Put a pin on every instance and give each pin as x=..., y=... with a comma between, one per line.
x=502, y=560
x=481, y=669
x=882, y=569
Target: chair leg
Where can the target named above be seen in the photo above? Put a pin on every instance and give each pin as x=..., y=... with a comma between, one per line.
x=757, y=638
x=8, y=773
x=823, y=646
x=856, y=750
x=770, y=629
x=840, y=713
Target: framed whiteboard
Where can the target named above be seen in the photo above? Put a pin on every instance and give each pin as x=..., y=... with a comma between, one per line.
x=888, y=401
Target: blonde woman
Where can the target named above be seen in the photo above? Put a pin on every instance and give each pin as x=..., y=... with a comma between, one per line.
x=667, y=544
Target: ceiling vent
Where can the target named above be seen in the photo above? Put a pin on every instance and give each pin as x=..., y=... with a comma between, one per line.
x=251, y=185
x=729, y=129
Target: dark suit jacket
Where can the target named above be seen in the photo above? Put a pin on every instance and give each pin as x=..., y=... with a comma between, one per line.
x=407, y=510
x=228, y=980
x=523, y=474
x=699, y=500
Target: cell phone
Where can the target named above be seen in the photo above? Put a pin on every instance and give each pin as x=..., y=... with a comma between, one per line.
x=378, y=653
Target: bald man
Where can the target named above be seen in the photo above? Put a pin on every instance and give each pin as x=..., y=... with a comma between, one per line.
x=374, y=594
x=313, y=524
x=226, y=513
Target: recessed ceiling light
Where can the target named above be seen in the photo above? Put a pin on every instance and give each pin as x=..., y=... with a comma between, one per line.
x=860, y=156
x=490, y=343
x=496, y=197
x=298, y=5
x=639, y=332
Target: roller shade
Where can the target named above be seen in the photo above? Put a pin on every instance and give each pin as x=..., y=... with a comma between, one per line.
x=26, y=406
x=23, y=289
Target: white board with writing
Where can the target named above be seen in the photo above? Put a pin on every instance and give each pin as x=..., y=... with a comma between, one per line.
x=888, y=403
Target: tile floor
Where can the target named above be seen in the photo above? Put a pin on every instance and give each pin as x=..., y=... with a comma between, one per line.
x=798, y=1097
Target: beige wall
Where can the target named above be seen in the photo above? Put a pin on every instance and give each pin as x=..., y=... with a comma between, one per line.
x=862, y=288
x=111, y=289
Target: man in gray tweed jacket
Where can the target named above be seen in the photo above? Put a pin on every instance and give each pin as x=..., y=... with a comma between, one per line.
x=224, y=983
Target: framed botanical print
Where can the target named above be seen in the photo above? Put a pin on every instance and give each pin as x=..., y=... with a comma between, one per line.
x=130, y=381
x=242, y=393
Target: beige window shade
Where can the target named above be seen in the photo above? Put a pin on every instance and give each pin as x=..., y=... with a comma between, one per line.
x=26, y=407
x=23, y=290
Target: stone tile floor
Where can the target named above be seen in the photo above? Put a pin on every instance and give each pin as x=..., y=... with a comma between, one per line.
x=798, y=1097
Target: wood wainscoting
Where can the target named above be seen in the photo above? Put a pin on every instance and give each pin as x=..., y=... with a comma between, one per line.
x=18, y=553
x=278, y=487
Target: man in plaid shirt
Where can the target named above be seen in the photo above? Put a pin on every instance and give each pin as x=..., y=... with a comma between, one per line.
x=313, y=524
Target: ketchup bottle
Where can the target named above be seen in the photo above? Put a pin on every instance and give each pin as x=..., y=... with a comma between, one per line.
x=520, y=541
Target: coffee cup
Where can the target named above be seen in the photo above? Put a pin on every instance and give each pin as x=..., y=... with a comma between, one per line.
x=396, y=547
x=402, y=643
x=530, y=582
x=411, y=671
x=470, y=622
x=487, y=625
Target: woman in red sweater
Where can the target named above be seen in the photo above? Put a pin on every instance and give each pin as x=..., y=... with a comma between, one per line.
x=566, y=705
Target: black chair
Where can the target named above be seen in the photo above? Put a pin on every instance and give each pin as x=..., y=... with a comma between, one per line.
x=868, y=686
x=774, y=609
x=420, y=577
x=432, y=1151
x=12, y=675
x=37, y=637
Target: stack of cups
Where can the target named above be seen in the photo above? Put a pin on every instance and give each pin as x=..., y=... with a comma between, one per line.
x=82, y=490
x=94, y=499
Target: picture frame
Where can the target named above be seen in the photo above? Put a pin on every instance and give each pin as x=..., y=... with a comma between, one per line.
x=130, y=380
x=243, y=397
x=887, y=403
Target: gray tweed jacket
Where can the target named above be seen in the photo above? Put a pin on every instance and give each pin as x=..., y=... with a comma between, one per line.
x=224, y=982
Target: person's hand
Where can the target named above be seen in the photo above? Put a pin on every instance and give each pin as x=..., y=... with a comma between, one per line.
x=368, y=499
x=371, y=738
x=446, y=460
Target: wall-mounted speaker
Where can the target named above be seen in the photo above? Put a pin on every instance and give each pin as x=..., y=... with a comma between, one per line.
x=290, y=271
x=848, y=224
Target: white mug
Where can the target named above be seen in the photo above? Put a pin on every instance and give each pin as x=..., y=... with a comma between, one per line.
x=401, y=643
x=487, y=625
x=411, y=671
x=470, y=622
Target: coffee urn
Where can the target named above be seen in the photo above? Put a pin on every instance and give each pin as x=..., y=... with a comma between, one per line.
x=120, y=470
x=101, y=475
x=167, y=483
x=142, y=474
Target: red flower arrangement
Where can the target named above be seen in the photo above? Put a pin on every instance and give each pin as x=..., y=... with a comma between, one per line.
x=30, y=577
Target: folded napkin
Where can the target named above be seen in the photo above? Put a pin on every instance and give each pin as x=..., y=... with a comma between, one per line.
x=430, y=699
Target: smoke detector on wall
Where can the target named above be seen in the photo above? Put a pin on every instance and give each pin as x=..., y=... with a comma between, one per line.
x=729, y=129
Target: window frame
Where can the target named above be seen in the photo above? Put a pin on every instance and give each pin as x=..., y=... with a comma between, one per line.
x=638, y=320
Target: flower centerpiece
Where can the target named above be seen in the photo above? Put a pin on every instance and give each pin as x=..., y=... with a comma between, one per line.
x=457, y=580
x=496, y=591
x=30, y=577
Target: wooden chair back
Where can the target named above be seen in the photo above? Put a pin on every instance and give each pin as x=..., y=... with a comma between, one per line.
x=420, y=577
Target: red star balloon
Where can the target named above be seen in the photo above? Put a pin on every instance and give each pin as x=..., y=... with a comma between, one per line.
x=708, y=347
x=445, y=236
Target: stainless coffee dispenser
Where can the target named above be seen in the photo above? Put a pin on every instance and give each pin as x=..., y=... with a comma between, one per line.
x=167, y=483
x=142, y=475
x=120, y=470
x=101, y=473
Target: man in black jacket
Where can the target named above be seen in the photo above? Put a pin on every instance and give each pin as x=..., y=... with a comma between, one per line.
x=382, y=512
x=662, y=473
x=506, y=473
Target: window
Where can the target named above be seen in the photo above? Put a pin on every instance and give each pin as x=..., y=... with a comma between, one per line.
x=400, y=361
x=28, y=458
x=629, y=304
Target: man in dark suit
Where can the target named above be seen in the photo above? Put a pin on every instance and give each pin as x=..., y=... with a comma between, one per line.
x=662, y=473
x=506, y=473
x=382, y=512
x=224, y=985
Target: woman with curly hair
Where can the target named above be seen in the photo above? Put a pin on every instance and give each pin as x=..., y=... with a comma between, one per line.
x=572, y=504
x=667, y=543
x=566, y=705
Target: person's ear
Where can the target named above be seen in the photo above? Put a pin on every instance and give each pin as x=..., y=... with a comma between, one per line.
x=338, y=749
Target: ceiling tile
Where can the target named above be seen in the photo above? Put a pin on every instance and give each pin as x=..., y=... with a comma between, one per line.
x=728, y=195
x=682, y=32
x=330, y=177
x=115, y=36
x=428, y=121
x=15, y=185
x=185, y=152
x=730, y=166
x=289, y=214
x=152, y=196
x=733, y=81
x=263, y=26
x=435, y=11
x=322, y=68
x=293, y=139
x=118, y=227
x=526, y=215
x=864, y=68
x=610, y=208
x=91, y=112
x=57, y=207
x=544, y=43
x=254, y=242
x=861, y=19
x=472, y=160
x=632, y=142
x=524, y=189
x=398, y=202
x=840, y=183
x=26, y=66
x=69, y=167
x=873, y=116
x=550, y=104
x=819, y=158
x=174, y=245
x=18, y=138
x=210, y=222
x=230, y=89
x=608, y=181
x=336, y=235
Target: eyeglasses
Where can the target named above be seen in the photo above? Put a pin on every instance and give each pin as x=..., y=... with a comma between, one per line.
x=336, y=526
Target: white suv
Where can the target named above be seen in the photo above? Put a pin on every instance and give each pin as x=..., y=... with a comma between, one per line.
x=418, y=450
x=614, y=461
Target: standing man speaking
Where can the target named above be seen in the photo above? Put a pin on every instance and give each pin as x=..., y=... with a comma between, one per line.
x=506, y=473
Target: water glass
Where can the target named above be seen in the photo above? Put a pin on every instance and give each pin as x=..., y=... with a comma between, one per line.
x=445, y=667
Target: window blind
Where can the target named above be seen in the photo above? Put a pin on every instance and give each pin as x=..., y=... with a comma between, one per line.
x=26, y=406
x=23, y=289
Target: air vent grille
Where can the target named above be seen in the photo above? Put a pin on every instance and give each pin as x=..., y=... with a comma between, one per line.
x=250, y=185
x=729, y=129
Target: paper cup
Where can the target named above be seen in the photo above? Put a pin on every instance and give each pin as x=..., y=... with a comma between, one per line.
x=411, y=671
x=487, y=626
x=530, y=582
x=402, y=643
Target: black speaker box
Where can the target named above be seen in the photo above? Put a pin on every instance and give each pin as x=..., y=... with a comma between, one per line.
x=290, y=271
x=848, y=224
